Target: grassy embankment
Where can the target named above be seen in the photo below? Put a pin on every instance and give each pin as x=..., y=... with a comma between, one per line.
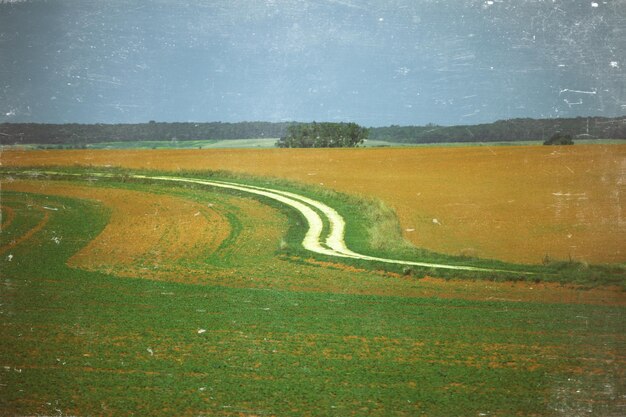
x=79, y=342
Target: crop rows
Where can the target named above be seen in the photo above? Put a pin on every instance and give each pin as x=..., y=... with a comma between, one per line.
x=244, y=326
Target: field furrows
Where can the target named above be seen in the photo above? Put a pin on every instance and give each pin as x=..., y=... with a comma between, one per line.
x=229, y=325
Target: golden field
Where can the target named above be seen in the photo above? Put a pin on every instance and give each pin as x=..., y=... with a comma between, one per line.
x=516, y=204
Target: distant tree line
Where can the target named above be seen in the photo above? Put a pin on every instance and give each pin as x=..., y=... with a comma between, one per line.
x=311, y=134
x=506, y=130
x=323, y=135
x=80, y=134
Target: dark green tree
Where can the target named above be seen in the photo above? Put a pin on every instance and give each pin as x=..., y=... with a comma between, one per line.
x=559, y=139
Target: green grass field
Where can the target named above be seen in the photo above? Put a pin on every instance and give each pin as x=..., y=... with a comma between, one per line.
x=263, y=335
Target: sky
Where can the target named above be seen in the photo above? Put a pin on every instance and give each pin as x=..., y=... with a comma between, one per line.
x=373, y=62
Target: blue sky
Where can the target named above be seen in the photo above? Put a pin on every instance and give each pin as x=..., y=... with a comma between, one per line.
x=376, y=63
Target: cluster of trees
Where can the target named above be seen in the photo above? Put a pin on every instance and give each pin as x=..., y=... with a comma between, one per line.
x=559, y=139
x=80, y=134
x=506, y=130
x=323, y=135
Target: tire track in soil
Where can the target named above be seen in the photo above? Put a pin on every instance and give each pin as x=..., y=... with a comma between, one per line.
x=42, y=223
x=8, y=214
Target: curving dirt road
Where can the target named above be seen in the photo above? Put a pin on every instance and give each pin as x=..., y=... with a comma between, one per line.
x=312, y=210
x=334, y=244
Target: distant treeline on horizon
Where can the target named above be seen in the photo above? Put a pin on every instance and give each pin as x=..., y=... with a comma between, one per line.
x=78, y=135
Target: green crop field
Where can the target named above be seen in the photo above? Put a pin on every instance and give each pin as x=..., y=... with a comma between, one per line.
x=259, y=328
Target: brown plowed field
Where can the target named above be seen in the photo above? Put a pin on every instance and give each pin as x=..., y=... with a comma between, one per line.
x=510, y=203
x=145, y=231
